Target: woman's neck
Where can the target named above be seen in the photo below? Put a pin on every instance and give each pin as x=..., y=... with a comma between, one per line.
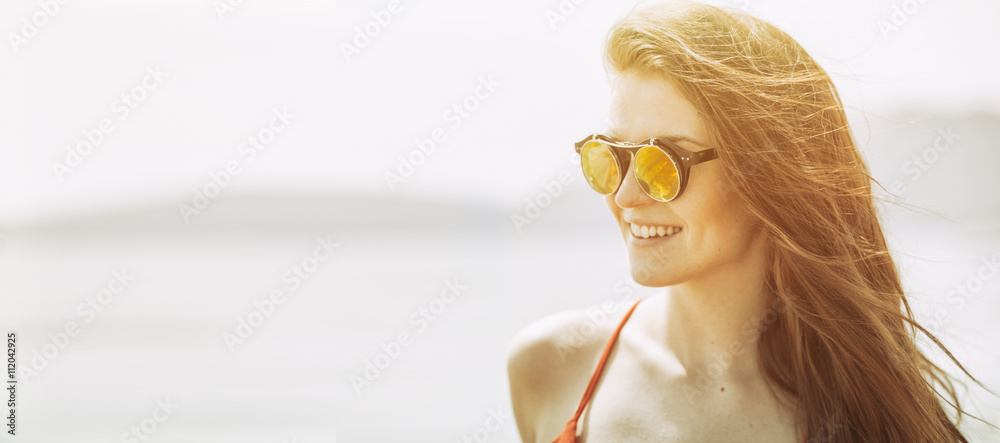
x=713, y=320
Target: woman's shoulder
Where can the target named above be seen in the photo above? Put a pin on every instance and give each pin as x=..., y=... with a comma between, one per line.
x=551, y=359
x=562, y=337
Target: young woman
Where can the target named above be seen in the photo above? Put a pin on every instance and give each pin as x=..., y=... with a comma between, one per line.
x=736, y=182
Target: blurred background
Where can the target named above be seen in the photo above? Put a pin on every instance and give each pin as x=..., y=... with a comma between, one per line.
x=218, y=223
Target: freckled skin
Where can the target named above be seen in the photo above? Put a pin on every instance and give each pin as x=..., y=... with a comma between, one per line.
x=709, y=270
x=715, y=230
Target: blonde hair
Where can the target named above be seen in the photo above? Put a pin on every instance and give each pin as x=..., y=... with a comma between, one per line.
x=845, y=346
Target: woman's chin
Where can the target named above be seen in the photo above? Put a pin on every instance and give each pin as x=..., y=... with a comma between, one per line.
x=653, y=276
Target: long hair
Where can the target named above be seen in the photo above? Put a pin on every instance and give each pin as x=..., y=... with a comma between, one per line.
x=845, y=345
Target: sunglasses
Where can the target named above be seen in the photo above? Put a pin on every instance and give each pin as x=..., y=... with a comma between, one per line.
x=661, y=166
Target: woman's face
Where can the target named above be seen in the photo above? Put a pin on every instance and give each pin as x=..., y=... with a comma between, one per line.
x=715, y=231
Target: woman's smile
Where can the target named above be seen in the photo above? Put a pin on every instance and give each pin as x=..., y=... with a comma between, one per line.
x=643, y=234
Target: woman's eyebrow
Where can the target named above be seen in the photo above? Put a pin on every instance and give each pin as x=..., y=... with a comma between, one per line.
x=682, y=138
x=669, y=137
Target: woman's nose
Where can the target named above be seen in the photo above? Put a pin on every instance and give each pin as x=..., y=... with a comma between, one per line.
x=630, y=194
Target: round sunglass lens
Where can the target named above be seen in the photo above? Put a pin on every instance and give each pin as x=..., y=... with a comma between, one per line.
x=657, y=174
x=599, y=167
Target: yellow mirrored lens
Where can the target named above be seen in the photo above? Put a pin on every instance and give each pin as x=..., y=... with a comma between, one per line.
x=656, y=173
x=599, y=167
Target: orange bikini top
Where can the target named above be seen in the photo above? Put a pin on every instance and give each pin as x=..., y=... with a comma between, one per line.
x=568, y=434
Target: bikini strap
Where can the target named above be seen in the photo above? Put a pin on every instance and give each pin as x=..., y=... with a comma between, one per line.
x=570, y=429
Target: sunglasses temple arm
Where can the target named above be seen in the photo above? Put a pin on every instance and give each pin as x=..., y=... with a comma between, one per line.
x=703, y=156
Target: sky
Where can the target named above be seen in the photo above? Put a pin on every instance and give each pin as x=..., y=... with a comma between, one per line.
x=209, y=147
x=357, y=113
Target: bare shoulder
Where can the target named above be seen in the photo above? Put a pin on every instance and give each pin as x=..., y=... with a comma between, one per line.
x=545, y=346
x=550, y=360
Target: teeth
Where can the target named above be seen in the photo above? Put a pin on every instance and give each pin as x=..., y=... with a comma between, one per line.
x=640, y=231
